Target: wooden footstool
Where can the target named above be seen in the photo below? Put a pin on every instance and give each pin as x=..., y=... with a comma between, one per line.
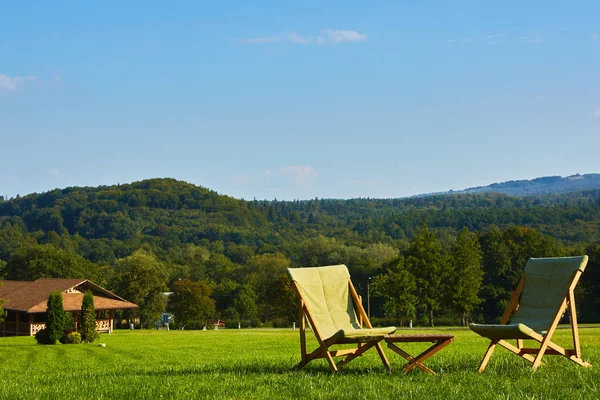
x=439, y=342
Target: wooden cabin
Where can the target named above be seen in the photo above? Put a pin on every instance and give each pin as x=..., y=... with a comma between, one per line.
x=26, y=307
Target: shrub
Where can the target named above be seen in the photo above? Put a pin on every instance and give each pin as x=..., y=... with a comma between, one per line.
x=71, y=338
x=55, y=324
x=42, y=337
x=69, y=322
x=280, y=323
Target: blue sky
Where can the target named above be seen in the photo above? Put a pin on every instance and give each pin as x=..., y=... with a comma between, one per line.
x=296, y=100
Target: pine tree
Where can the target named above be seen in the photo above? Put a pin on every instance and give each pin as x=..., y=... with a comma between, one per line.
x=398, y=287
x=467, y=274
x=87, y=327
x=55, y=324
x=428, y=262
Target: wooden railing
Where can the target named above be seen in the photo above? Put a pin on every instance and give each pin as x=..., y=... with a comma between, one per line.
x=103, y=325
x=36, y=327
x=11, y=328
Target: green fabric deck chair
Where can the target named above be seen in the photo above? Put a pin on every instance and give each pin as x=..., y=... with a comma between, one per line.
x=334, y=311
x=543, y=295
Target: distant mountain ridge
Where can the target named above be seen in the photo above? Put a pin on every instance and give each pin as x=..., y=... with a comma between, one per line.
x=536, y=187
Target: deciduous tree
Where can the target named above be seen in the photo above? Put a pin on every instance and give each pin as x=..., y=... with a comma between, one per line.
x=141, y=280
x=191, y=302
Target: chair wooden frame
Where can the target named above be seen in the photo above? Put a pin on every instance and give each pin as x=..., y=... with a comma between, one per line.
x=323, y=351
x=439, y=342
x=546, y=345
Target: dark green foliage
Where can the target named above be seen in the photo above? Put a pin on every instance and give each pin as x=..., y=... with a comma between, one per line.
x=55, y=322
x=504, y=257
x=397, y=285
x=428, y=262
x=87, y=324
x=190, y=303
x=281, y=305
x=246, y=303
x=41, y=337
x=48, y=261
x=141, y=279
x=587, y=297
x=243, y=247
x=72, y=338
x=466, y=274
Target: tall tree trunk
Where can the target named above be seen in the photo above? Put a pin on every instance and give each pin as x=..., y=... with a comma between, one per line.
x=431, y=317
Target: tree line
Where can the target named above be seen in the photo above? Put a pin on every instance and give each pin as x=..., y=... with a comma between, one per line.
x=433, y=258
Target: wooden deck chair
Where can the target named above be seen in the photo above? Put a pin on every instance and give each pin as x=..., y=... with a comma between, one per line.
x=543, y=295
x=334, y=311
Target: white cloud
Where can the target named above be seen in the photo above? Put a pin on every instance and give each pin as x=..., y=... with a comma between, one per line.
x=298, y=39
x=329, y=36
x=302, y=174
x=12, y=84
x=344, y=36
x=497, y=35
x=54, y=172
x=597, y=113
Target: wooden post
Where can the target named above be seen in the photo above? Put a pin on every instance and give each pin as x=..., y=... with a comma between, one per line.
x=18, y=322
x=302, y=330
x=30, y=324
x=76, y=319
x=112, y=317
x=574, y=327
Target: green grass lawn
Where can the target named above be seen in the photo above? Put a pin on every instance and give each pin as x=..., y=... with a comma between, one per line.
x=258, y=364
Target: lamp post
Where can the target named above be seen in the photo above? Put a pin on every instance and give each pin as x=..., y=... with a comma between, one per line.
x=369, y=298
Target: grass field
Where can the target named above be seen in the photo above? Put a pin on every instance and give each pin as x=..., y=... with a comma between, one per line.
x=258, y=364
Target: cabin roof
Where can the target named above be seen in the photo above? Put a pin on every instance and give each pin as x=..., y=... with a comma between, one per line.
x=32, y=297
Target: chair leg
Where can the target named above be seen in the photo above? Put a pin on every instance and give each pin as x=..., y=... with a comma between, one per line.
x=411, y=360
x=488, y=354
x=418, y=360
x=331, y=361
x=384, y=359
x=538, y=358
x=317, y=353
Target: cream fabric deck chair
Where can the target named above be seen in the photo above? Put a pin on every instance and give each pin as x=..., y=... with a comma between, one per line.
x=330, y=303
x=543, y=295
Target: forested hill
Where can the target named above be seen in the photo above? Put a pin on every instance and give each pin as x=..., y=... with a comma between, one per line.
x=169, y=212
x=147, y=237
x=539, y=186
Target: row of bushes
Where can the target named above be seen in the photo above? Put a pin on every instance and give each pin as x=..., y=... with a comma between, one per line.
x=60, y=326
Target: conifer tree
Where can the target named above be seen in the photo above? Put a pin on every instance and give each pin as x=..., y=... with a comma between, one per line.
x=428, y=262
x=467, y=274
x=55, y=324
x=87, y=327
